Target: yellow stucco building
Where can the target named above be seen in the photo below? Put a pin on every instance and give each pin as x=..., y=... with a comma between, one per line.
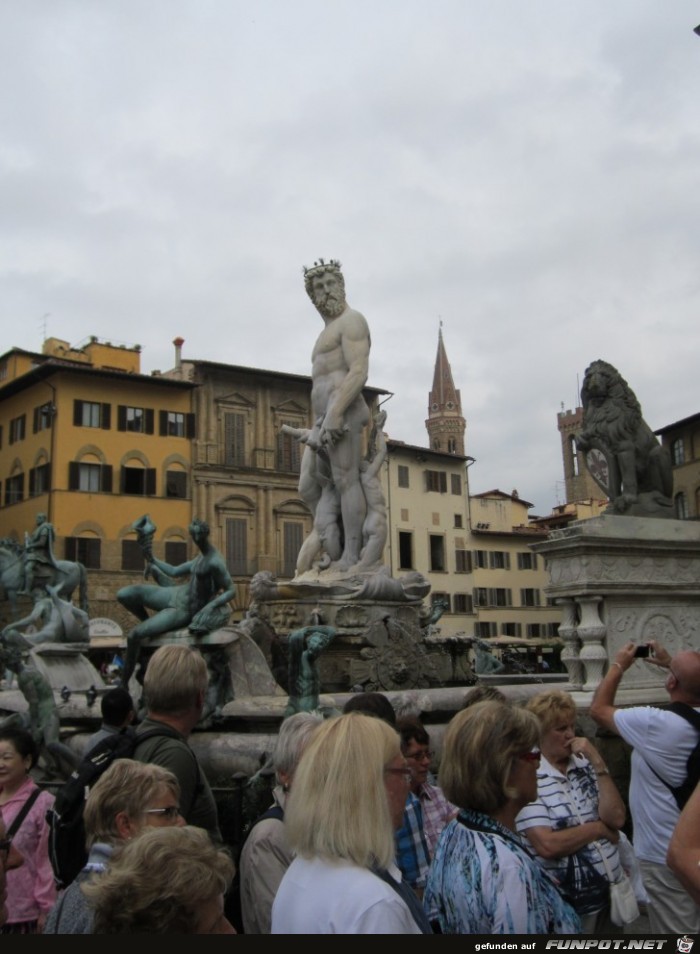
x=508, y=578
x=682, y=438
x=93, y=443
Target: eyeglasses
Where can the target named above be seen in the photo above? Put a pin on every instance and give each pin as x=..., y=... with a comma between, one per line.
x=5, y=845
x=171, y=812
x=406, y=772
x=423, y=756
x=533, y=756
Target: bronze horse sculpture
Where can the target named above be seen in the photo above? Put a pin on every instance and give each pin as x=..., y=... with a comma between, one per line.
x=66, y=573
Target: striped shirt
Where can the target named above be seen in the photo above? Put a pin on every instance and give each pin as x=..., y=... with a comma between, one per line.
x=565, y=801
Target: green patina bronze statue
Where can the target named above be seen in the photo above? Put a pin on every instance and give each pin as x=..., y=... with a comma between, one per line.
x=201, y=604
x=305, y=646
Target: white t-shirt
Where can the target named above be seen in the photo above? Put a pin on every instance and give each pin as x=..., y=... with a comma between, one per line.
x=338, y=897
x=662, y=740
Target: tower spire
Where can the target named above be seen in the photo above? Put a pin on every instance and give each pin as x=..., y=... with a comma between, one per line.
x=445, y=424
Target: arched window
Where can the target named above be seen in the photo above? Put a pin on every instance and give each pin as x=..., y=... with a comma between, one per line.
x=678, y=452
x=681, y=505
x=86, y=549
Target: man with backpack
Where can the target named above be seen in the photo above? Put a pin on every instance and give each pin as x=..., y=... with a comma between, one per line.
x=175, y=687
x=664, y=743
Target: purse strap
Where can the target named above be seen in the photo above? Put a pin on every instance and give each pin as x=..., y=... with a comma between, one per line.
x=407, y=895
x=22, y=813
x=596, y=844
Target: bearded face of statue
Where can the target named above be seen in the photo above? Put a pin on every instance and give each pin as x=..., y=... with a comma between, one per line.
x=328, y=294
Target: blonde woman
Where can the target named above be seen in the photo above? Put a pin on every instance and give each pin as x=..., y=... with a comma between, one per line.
x=348, y=798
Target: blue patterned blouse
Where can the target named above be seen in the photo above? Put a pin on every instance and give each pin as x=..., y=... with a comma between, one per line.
x=484, y=880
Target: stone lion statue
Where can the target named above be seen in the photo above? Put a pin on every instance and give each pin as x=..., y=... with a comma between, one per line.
x=622, y=453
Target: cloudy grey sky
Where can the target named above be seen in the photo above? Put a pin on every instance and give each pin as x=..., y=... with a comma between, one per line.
x=527, y=170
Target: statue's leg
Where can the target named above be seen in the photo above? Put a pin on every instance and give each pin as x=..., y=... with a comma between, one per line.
x=26, y=590
x=131, y=598
x=375, y=530
x=163, y=622
x=326, y=522
x=307, y=554
x=345, y=461
x=628, y=470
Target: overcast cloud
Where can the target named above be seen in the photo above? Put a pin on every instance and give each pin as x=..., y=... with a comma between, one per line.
x=527, y=170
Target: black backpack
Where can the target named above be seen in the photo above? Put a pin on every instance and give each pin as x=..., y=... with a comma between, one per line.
x=67, y=849
x=682, y=792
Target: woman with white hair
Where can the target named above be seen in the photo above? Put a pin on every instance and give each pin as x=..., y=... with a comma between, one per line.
x=348, y=798
x=266, y=853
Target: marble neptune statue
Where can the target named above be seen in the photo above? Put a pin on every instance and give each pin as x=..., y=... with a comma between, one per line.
x=339, y=491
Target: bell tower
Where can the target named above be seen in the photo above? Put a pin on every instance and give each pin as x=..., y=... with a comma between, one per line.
x=445, y=424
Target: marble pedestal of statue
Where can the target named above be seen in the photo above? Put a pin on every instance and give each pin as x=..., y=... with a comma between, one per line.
x=379, y=643
x=62, y=665
x=617, y=579
x=66, y=664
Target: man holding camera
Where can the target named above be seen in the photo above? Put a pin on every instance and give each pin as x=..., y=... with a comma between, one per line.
x=662, y=741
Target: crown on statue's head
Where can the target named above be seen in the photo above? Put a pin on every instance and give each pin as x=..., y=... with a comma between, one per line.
x=332, y=265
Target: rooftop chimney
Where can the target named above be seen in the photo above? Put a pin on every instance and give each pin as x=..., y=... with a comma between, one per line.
x=178, y=342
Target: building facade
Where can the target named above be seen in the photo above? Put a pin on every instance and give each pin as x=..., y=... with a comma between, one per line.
x=426, y=493
x=509, y=580
x=91, y=442
x=682, y=438
x=473, y=548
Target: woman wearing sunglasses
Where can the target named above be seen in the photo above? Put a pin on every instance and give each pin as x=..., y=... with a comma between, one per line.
x=129, y=798
x=483, y=878
x=574, y=823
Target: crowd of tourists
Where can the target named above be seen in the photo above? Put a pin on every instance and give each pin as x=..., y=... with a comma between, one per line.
x=520, y=833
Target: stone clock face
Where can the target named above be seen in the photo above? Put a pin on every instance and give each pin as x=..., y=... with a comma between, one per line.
x=597, y=464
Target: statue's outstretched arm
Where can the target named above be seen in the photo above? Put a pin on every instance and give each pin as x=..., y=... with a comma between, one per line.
x=172, y=571
x=161, y=578
x=36, y=613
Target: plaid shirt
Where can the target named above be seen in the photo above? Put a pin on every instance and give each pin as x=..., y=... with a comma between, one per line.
x=437, y=811
x=412, y=855
x=424, y=817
